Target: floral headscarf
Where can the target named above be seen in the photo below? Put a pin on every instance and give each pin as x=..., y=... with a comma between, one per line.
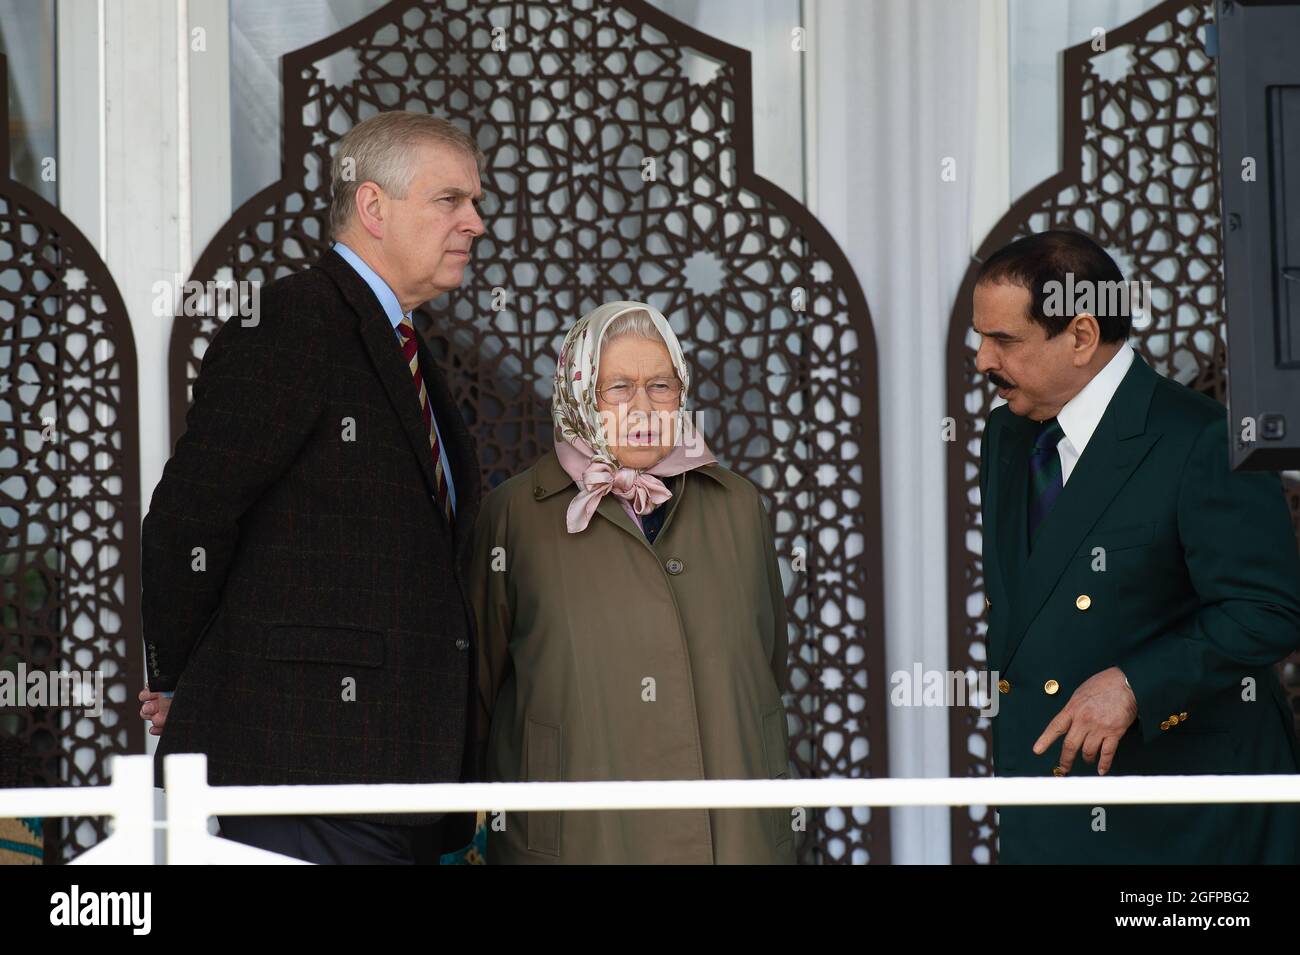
x=580, y=441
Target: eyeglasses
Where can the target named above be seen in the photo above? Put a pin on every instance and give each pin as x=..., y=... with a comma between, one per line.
x=660, y=391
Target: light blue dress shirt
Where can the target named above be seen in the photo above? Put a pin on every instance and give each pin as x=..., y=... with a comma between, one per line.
x=394, y=312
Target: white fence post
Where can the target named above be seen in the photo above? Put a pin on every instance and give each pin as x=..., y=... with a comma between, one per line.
x=189, y=804
x=128, y=799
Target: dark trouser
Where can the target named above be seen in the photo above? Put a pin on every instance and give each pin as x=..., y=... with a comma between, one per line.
x=326, y=840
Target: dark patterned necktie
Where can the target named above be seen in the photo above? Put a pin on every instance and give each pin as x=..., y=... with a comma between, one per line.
x=410, y=351
x=1044, y=474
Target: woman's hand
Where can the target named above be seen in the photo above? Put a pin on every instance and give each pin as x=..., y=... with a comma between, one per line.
x=154, y=709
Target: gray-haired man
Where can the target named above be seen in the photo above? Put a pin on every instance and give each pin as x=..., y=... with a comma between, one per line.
x=329, y=484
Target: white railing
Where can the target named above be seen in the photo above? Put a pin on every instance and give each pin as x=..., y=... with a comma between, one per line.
x=128, y=800
x=190, y=802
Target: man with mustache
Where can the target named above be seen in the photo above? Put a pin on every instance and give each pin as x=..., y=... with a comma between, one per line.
x=1139, y=591
x=304, y=551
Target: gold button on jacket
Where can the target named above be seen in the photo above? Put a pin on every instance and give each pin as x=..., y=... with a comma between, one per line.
x=1051, y=687
x=1004, y=686
x=1083, y=601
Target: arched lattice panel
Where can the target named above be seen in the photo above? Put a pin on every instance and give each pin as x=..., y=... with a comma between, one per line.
x=69, y=497
x=620, y=166
x=1141, y=177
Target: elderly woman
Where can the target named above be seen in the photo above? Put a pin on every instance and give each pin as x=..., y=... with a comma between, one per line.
x=630, y=615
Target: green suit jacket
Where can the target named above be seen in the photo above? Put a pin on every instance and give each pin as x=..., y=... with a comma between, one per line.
x=1160, y=560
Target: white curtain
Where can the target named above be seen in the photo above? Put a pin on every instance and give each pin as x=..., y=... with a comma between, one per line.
x=896, y=171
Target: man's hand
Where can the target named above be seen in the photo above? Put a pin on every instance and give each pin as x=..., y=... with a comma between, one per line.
x=1096, y=718
x=154, y=709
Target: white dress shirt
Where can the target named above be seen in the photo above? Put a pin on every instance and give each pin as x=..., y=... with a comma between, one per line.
x=1082, y=413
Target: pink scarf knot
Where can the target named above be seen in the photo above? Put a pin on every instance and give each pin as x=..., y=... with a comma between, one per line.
x=641, y=492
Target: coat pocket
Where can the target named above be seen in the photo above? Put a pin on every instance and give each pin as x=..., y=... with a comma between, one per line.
x=776, y=752
x=542, y=764
x=308, y=643
x=1188, y=751
x=1117, y=538
x=327, y=693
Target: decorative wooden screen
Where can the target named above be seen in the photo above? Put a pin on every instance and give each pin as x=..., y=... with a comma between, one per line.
x=567, y=100
x=69, y=495
x=1141, y=177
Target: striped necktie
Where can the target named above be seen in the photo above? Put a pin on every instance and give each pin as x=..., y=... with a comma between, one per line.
x=411, y=351
x=1044, y=474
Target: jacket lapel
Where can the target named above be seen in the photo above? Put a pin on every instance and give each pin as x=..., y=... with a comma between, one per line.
x=385, y=352
x=1012, y=492
x=612, y=510
x=1114, y=452
x=461, y=453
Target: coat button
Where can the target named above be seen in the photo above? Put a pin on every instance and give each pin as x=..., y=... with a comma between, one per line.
x=1165, y=725
x=1083, y=601
x=1181, y=717
x=987, y=604
x=462, y=643
x=1004, y=686
x=538, y=492
x=1051, y=687
x=1058, y=771
x=674, y=566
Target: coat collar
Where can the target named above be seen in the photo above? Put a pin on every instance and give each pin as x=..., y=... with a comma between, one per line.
x=1120, y=443
x=1082, y=413
x=550, y=478
x=385, y=354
